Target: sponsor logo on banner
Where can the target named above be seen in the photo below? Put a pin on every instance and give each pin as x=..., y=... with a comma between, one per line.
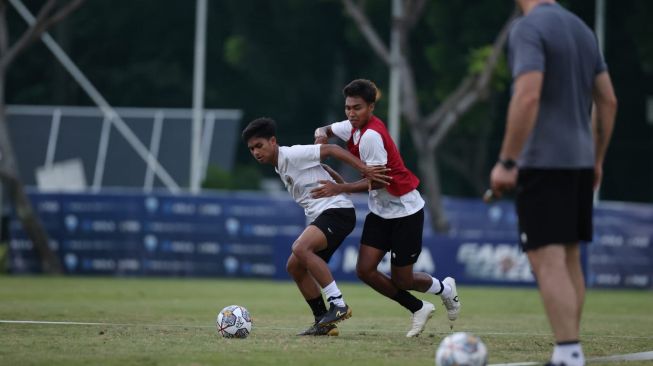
x=129, y=265
x=254, y=211
x=99, y=226
x=99, y=264
x=179, y=208
x=177, y=246
x=260, y=269
x=231, y=265
x=150, y=242
x=270, y=231
x=49, y=207
x=130, y=226
x=494, y=262
x=210, y=209
x=424, y=262
x=151, y=204
x=70, y=260
x=232, y=225
x=71, y=223
x=20, y=244
x=208, y=247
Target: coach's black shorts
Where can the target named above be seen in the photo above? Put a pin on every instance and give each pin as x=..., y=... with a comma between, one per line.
x=336, y=224
x=402, y=236
x=554, y=206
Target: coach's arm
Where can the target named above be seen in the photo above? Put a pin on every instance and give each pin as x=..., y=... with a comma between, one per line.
x=603, y=116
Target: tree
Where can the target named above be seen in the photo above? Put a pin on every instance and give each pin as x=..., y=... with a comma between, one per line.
x=51, y=13
x=429, y=130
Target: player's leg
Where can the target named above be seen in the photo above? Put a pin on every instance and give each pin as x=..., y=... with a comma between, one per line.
x=369, y=258
x=313, y=297
x=310, y=241
x=377, y=231
x=307, y=286
x=406, y=248
x=314, y=248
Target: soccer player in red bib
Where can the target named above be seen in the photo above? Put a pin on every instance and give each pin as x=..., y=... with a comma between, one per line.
x=396, y=217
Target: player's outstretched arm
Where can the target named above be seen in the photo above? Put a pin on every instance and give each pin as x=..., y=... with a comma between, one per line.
x=337, y=177
x=327, y=188
x=373, y=173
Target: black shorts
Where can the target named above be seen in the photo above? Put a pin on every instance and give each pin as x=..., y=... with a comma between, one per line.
x=554, y=206
x=336, y=224
x=402, y=237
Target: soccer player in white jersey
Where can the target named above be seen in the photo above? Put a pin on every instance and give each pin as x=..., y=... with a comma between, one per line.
x=396, y=217
x=332, y=218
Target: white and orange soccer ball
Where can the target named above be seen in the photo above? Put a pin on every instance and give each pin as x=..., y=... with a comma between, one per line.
x=234, y=322
x=461, y=349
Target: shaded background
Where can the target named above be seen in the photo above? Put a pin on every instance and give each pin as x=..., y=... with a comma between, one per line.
x=290, y=59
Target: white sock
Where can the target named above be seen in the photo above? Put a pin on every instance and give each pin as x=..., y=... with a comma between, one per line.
x=333, y=294
x=571, y=354
x=437, y=288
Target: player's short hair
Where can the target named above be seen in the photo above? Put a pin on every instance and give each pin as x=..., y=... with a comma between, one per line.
x=363, y=88
x=261, y=127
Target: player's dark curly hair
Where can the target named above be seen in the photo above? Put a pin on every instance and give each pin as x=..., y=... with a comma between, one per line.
x=362, y=88
x=261, y=127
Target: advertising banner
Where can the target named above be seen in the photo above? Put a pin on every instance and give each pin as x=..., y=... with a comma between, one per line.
x=230, y=234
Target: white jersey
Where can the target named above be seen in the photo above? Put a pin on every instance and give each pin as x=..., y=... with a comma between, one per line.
x=300, y=170
x=372, y=152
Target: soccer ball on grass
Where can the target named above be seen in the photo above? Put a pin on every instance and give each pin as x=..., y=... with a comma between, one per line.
x=461, y=349
x=234, y=322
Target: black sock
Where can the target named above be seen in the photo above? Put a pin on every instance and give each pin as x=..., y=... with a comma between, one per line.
x=317, y=307
x=407, y=300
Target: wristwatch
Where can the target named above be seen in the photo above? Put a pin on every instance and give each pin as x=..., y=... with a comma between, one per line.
x=507, y=164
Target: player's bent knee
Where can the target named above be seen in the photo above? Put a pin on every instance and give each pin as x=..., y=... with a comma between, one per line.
x=293, y=267
x=403, y=283
x=364, y=273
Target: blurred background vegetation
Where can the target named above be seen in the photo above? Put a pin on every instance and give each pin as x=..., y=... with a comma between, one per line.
x=290, y=59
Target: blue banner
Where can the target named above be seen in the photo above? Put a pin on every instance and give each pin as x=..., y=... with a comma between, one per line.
x=250, y=235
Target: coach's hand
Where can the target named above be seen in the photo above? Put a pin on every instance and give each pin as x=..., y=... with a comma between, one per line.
x=502, y=179
x=327, y=189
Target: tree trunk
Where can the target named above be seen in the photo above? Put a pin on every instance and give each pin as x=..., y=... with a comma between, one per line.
x=32, y=226
x=428, y=168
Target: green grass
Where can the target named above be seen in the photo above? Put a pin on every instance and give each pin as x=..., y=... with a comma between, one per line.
x=171, y=322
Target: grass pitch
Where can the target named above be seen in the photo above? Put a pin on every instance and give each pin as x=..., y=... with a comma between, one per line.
x=171, y=322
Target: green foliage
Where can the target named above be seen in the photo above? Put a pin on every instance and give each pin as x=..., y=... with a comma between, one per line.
x=243, y=177
x=172, y=322
x=289, y=60
x=477, y=60
x=234, y=50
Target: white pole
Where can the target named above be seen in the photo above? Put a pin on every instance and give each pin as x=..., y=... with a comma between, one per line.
x=198, y=95
x=395, y=73
x=155, y=142
x=599, y=24
x=209, y=123
x=95, y=95
x=52, y=140
x=102, y=154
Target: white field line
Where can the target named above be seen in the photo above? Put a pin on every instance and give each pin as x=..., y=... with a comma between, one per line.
x=357, y=330
x=640, y=356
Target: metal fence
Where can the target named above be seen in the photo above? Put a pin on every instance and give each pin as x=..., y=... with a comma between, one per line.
x=140, y=147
